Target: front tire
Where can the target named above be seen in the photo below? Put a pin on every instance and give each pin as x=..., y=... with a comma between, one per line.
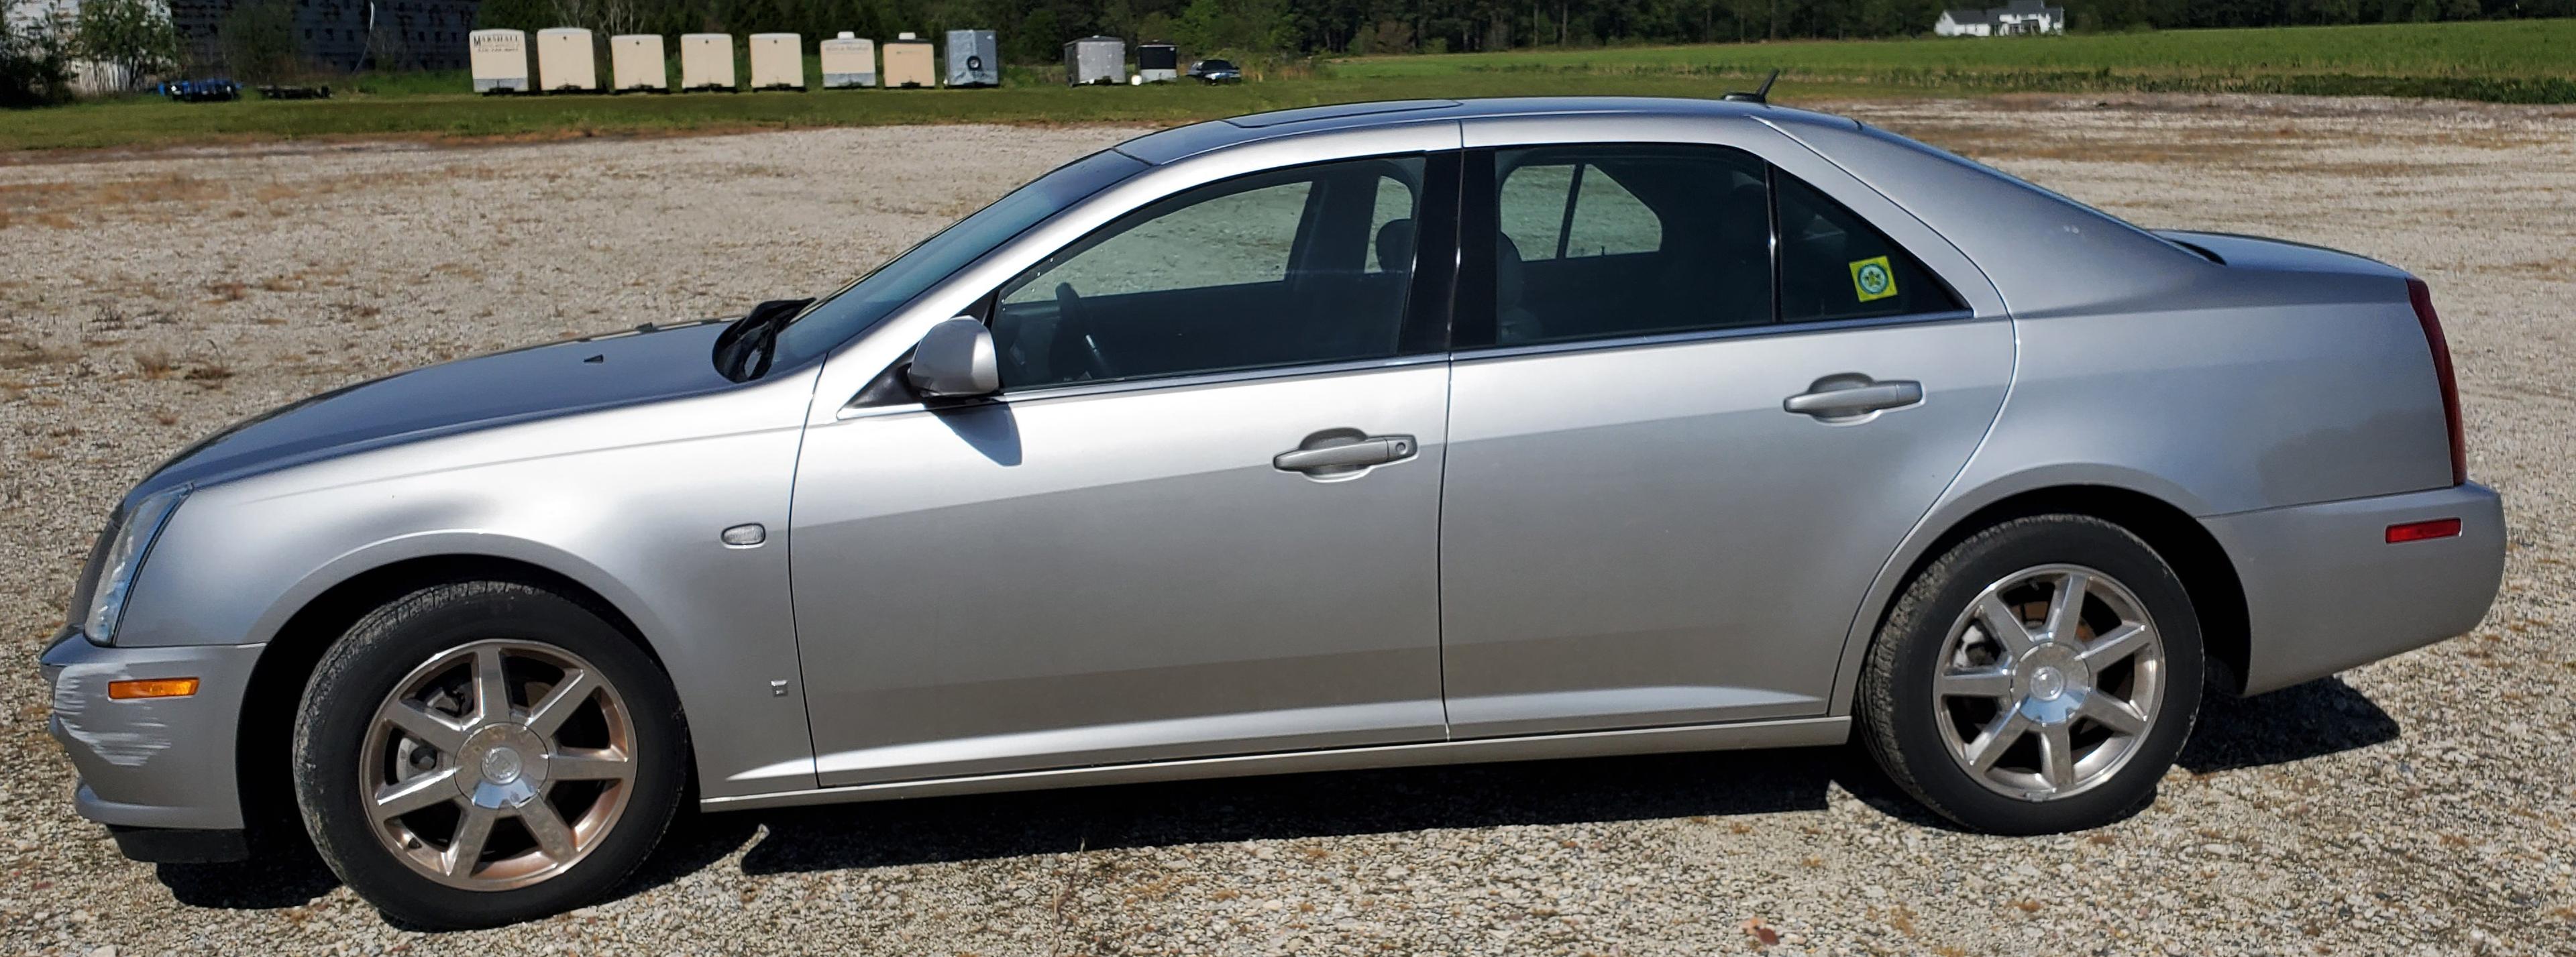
x=481, y=753
x=2037, y=678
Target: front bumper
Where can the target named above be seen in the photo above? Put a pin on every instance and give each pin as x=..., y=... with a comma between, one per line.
x=2325, y=590
x=159, y=763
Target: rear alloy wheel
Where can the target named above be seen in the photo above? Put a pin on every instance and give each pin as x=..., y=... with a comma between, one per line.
x=486, y=752
x=2038, y=677
x=2049, y=681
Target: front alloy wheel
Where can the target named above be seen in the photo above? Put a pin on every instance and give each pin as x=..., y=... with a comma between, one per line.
x=498, y=764
x=480, y=753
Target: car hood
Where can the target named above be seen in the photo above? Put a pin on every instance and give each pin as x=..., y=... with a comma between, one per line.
x=580, y=375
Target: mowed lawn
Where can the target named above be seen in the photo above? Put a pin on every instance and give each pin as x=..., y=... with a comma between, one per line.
x=2523, y=61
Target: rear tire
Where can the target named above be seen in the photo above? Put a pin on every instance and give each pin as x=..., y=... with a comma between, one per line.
x=2002, y=711
x=482, y=753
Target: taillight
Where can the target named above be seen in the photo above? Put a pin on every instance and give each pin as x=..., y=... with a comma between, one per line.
x=2424, y=531
x=2422, y=296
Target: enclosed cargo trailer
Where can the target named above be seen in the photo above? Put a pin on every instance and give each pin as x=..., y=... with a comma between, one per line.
x=499, y=59
x=777, y=61
x=565, y=63
x=1158, y=62
x=908, y=63
x=849, y=62
x=974, y=58
x=1095, y=60
x=635, y=64
x=706, y=63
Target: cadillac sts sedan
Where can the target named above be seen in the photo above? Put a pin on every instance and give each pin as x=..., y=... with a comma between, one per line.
x=1388, y=434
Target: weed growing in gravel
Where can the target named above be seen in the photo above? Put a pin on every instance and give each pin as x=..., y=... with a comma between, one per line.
x=209, y=372
x=155, y=363
x=17, y=353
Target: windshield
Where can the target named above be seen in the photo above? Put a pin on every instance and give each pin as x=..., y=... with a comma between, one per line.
x=868, y=300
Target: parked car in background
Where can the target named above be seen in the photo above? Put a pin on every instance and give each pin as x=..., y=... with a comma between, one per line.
x=1215, y=71
x=1343, y=437
x=201, y=91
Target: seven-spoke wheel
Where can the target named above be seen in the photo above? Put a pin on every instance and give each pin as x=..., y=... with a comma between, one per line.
x=485, y=752
x=2037, y=677
x=497, y=763
x=2048, y=681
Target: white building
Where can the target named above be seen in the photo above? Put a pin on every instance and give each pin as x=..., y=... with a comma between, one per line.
x=2017, y=17
x=89, y=77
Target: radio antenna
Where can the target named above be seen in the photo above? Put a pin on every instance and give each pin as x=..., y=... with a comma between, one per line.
x=1760, y=95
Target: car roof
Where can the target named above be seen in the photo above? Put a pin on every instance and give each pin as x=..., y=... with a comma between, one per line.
x=1186, y=141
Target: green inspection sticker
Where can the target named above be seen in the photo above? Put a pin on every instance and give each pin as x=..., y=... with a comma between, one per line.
x=1871, y=280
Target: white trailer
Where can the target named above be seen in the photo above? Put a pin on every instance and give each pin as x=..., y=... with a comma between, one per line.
x=1095, y=60
x=777, y=61
x=908, y=63
x=1157, y=63
x=849, y=62
x=500, y=60
x=565, y=63
x=706, y=62
x=635, y=64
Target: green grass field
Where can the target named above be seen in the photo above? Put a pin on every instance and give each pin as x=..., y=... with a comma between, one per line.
x=2524, y=61
x=2499, y=48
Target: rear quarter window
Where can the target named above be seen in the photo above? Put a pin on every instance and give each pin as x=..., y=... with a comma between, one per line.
x=1835, y=265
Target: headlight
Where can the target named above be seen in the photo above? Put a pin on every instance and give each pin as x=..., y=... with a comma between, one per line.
x=127, y=545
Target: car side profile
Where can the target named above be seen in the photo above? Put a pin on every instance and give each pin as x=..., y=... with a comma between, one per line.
x=1357, y=436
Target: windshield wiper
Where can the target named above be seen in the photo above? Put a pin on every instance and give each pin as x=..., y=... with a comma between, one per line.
x=744, y=350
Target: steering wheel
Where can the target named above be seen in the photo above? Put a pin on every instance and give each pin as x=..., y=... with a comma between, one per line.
x=1070, y=318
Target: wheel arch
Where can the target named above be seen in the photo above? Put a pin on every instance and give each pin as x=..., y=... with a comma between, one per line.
x=262, y=758
x=2208, y=574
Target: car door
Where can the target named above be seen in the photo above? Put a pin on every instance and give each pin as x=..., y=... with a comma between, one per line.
x=1201, y=518
x=1679, y=449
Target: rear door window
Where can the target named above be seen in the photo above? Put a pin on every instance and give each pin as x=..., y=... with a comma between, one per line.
x=1619, y=240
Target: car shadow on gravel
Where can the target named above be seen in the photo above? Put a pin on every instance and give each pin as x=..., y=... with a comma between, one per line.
x=1325, y=804
x=2310, y=720
x=2321, y=717
x=283, y=874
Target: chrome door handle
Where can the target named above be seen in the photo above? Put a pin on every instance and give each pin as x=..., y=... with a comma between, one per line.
x=1343, y=450
x=1851, y=395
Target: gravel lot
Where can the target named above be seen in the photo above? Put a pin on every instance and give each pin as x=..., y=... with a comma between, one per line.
x=2421, y=805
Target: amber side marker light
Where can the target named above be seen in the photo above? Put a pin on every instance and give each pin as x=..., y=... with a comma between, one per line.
x=162, y=687
x=2420, y=531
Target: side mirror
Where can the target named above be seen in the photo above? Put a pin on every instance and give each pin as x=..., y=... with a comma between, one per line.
x=955, y=359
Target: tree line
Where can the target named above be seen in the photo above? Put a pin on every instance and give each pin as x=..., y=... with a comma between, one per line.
x=1033, y=31
x=41, y=40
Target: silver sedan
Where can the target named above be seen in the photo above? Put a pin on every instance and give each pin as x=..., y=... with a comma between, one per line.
x=1396, y=433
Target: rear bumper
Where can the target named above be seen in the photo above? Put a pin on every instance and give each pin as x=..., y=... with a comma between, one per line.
x=2325, y=590
x=161, y=763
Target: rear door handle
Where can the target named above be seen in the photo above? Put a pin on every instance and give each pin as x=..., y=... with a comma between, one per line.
x=1851, y=395
x=1343, y=450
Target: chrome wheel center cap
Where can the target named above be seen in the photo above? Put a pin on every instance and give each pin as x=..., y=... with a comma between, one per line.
x=501, y=765
x=2046, y=684
x=2051, y=683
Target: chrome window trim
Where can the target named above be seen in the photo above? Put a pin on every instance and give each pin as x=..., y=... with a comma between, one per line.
x=1125, y=386
x=1710, y=335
